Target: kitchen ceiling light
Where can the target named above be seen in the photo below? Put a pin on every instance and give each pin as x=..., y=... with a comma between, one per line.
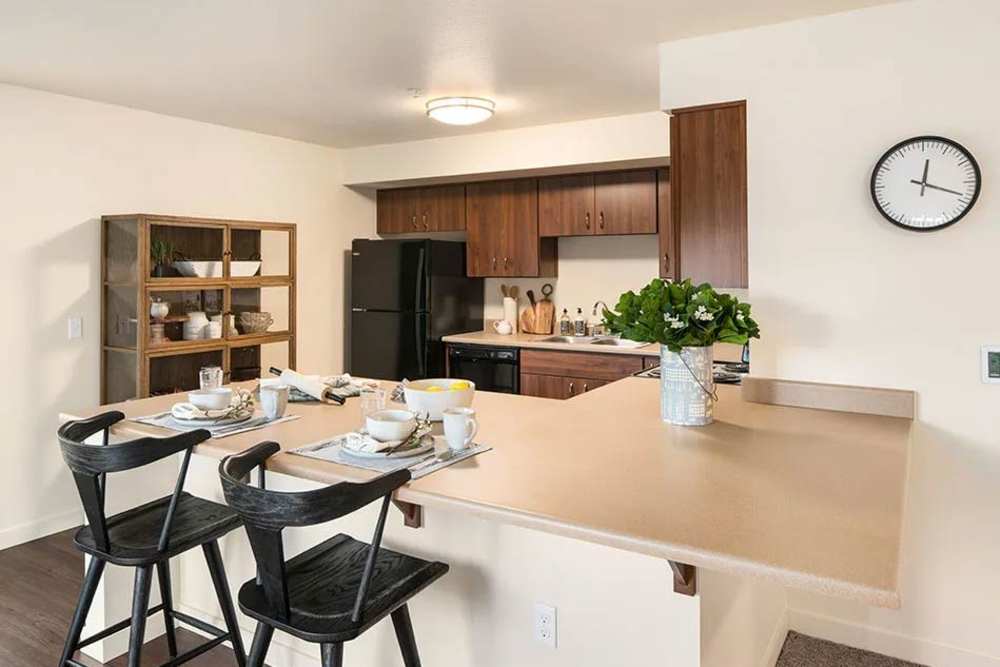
x=460, y=110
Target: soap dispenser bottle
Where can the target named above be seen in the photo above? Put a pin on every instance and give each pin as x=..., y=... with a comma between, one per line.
x=579, y=323
x=565, y=325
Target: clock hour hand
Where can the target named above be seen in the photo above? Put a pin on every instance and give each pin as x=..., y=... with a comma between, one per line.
x=924, y=184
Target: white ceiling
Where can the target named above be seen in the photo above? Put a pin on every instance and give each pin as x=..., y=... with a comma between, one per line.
x=336, y=72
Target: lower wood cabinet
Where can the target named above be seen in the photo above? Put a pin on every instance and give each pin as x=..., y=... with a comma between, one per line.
x=558, y=374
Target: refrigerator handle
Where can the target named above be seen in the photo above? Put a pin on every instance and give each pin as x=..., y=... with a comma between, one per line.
x=419, y=339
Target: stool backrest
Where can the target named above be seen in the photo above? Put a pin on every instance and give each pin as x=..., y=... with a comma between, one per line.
x=266, y=513
x=90, y=465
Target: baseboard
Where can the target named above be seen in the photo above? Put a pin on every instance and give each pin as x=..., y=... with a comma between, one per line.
x=33, y=530
x=776, y=642
x=904, y=647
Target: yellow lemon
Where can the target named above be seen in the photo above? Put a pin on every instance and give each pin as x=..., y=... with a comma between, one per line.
x=459, y=386
x=435, y=389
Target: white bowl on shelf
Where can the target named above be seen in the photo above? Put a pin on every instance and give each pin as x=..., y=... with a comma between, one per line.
x=433, y=396
x=239, y=268
x=207, y=269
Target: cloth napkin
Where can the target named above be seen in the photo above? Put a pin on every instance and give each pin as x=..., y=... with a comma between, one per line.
x=362, y=442
x=321, y=388
x=192, y=411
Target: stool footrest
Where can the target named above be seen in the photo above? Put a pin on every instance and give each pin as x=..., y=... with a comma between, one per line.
x=107, y=632
x=193, y=653
x=199, y=624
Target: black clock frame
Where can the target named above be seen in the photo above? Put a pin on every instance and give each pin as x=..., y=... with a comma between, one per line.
x=928, y=137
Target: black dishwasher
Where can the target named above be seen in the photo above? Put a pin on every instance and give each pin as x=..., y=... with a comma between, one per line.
x=491, y=368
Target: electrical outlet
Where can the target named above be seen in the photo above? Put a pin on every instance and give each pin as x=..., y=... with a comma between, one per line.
x=75, y=328
x=545, y=624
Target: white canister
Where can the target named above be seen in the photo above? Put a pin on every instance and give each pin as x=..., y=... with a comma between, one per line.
x=213, y=330
x=510, y=312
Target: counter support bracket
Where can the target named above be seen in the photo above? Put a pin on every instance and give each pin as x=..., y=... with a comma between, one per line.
x=413, y=515
x=685, y=578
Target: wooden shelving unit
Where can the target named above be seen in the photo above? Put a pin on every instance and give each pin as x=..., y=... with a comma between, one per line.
x=132, y=365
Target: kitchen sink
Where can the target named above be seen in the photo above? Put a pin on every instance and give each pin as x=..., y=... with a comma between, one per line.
x=573, y=340
x=617, y=342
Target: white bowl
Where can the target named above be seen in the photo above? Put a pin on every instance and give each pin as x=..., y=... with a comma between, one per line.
x=391, y=425
x=435, y=401
x=243, y=268
x=211, y=399
x=190, y=269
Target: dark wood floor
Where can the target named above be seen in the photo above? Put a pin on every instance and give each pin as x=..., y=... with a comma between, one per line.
x=39, y=584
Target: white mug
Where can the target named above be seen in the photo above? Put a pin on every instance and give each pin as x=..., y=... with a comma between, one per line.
x=274, y=400
x=503, y=327
x=460, y=427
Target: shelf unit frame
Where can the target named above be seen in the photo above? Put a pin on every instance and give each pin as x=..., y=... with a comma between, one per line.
x=146, y=286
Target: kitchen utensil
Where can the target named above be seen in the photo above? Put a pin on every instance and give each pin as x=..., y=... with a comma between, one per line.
x=432, y=461
x=531, y=297
x=513, y=291
x=460, y=427
x=274, y=400
x=210, y=377
x=244, y=422
x=391, y=425
x=527, y=320
x=510, y=312
x=256, y=323
x=503, y=290
x=431, y=397
x=503, y=327
x=545, y=311
x=217, y=398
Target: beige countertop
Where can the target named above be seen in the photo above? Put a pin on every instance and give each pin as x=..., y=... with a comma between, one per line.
x=809, y=498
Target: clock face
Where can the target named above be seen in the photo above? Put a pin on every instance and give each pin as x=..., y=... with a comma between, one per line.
x=925, y=183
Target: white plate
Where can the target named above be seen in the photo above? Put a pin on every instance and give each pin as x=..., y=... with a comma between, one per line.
x=417, y=451
x=212, y=421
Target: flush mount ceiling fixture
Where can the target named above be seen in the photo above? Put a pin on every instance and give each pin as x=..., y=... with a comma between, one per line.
x=460, y=110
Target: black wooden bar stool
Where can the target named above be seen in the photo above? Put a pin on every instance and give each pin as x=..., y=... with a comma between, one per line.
x=144, y=537
x=336, y=590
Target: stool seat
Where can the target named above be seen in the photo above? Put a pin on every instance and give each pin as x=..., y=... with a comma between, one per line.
x=323, y=584
x=135, y=533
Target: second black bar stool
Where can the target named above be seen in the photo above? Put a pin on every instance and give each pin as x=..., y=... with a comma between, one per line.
x=336, y=590
x=145, y=537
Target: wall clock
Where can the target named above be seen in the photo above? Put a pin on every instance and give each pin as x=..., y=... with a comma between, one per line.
x=925, y=183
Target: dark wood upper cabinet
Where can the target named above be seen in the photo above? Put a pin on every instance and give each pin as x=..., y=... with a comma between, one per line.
x=625, y=202
x=566, y=205
x=708, y=193
x=502, y=223
x=665, y=224
x=440, y=208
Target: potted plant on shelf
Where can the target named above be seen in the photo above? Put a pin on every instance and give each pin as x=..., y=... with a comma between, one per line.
x=161, y=253
x=686, y=320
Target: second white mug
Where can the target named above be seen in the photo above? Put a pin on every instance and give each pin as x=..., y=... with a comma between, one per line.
x=460, y=427
x=274, y=400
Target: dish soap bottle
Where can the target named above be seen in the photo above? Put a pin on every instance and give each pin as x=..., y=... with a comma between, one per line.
x=565, y=326
x=579, y=324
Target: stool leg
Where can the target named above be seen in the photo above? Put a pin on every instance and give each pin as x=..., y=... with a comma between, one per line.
x=140, y=605
x=167, y=597
x=332, y=655
x=261, y=641
x=87, y=591
x=214, y=559
x=404, y=635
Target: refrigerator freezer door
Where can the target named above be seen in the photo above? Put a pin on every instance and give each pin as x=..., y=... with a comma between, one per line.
x=389, y=275
x=389, y=346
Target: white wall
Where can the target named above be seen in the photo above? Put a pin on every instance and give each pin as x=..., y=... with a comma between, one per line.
x=63, y=163
x=589, y=268
x=844, y=296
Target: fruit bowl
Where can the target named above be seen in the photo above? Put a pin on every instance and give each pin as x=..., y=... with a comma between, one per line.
x=432, y=397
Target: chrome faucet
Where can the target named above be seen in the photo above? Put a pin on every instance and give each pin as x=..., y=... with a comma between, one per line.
x=599, y=327
x=599, y=303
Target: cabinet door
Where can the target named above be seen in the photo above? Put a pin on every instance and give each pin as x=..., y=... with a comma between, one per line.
x=575, y=386
x=397, y=211
x=665, y=224
x=483, y=222
x=520, y=229
x=626, y=202
x=502, y=222
x=543, y=386
x=566, y=205
x=708, y=183
x=442, y=208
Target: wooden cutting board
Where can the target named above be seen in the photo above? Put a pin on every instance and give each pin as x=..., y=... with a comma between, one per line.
x=545, y=311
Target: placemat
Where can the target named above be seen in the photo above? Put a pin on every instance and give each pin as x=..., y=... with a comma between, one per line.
x=420, y=466
x=258, y=420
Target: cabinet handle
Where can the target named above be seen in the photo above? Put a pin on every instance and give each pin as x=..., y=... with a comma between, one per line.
x=601, y=217
x=506, y=261
x=570, y=388
x=666, y=261
x=425, y=221
x=585, y=387
x=494, y=263
x=414, y=221
x=586, y=220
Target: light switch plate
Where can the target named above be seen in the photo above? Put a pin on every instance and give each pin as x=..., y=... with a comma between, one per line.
x=991, y=364
x=75, y=328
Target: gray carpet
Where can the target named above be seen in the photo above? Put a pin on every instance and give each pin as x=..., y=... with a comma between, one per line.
x=804, y=651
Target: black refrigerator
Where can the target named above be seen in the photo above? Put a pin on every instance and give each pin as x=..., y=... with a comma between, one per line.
x=406, y=295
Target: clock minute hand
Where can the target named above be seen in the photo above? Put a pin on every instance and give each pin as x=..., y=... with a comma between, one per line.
x=923, y=182
x=935, y=187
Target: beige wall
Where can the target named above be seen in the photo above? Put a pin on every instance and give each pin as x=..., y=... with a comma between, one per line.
x=844, y=296
x=63, y=163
